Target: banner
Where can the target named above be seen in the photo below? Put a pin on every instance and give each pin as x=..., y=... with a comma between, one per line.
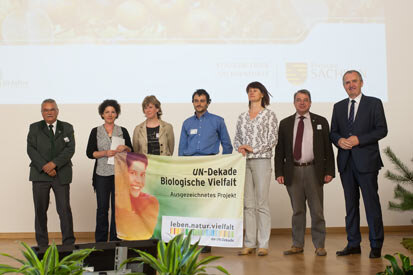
x=160, y=197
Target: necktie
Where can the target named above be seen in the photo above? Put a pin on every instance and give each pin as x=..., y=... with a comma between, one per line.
x=299, y=139
x=351, y=116
x=51, y=135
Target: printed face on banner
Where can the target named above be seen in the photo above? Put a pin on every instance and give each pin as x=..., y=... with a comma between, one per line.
x=136, y=173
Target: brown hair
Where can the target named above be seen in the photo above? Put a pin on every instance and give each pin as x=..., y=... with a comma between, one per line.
x=152, y=99
x=265, y=101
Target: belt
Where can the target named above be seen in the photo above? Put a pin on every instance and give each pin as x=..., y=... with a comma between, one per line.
x=304, y=163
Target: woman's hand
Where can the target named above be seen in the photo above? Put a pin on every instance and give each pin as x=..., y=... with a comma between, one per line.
x=122, y=148
x=243, y=149
x=110, y=153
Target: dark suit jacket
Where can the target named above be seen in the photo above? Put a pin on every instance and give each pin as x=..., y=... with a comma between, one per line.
x=39, y=151
x=322, y=148
x=369, y=126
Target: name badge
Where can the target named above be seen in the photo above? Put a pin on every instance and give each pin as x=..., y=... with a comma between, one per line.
x=193, y=131
x=157, y=135
x=319, y=127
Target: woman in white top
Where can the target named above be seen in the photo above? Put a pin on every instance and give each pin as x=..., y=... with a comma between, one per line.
x=256, y=137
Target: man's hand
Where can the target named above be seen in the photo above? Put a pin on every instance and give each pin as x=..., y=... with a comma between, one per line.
x=280, y=180
x=242, y=151
x=52, y=173
x=354, y=141
x=327, y=178
x=48, y=167
x=344, y=144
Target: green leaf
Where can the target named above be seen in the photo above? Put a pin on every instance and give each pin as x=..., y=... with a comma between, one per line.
x=31, y=257
x=191, y=252
x=47, y=266
x=77, y=256
x=178, y=257
x=151, y=260
x=12, y=257
x=7, y=269
x=394, y=264
x=161, y=252
x=405, y=262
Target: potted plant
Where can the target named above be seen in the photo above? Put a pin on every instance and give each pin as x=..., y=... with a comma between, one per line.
x=50, y=264
x=403, y=177
x=394, y=269
x=177, y=257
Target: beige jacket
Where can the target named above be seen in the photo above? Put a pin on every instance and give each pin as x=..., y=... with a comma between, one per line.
x=166, y=138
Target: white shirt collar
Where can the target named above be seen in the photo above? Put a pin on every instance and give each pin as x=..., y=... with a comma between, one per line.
x=357, y=98
x=306, y=115
x=54, y=126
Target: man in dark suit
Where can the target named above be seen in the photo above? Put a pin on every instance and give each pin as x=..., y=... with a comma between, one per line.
x=358, y=123
x=304, y=161
x=50, y=146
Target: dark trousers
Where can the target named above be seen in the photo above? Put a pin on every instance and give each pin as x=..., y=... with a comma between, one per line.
x=105, y=196
x=352, y=181
x=41, y=199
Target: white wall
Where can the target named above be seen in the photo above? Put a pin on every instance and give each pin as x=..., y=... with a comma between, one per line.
x=16, y=204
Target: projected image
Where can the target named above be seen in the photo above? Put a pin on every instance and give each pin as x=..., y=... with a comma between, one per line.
x=84, y=51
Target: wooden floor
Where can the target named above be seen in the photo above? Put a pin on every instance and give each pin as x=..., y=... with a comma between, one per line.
x=276, y=262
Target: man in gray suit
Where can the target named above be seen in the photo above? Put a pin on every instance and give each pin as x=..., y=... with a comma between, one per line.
x=304, y=161
x=50, y=146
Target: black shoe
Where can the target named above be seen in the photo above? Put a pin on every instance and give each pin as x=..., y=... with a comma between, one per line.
x=206, y=249
x=348, y=250
x=375, y=253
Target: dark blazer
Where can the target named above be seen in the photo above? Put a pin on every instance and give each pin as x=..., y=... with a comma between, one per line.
x=322, y=148
x=369, y=126
x=39, y=151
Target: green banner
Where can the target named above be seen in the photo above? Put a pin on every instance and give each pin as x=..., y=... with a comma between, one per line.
x=160, y=197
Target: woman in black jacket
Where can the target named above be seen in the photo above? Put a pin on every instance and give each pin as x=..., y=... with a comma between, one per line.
x=99, y=148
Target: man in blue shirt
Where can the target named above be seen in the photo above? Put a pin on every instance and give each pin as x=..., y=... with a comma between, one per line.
x=203, y=132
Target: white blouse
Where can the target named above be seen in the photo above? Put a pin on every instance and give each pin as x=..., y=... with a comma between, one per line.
x=261, y=133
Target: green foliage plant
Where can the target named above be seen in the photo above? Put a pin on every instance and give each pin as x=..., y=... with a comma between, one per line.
x=394, y=269
x=405, y=177
x=408, y=243
x=49, y=265
x=178, y=257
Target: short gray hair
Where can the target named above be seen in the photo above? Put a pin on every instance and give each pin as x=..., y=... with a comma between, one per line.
x=49, y=100
x=303, y=91
x=353, y=71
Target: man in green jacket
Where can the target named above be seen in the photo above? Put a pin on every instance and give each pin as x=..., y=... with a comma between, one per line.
x=50, y=146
